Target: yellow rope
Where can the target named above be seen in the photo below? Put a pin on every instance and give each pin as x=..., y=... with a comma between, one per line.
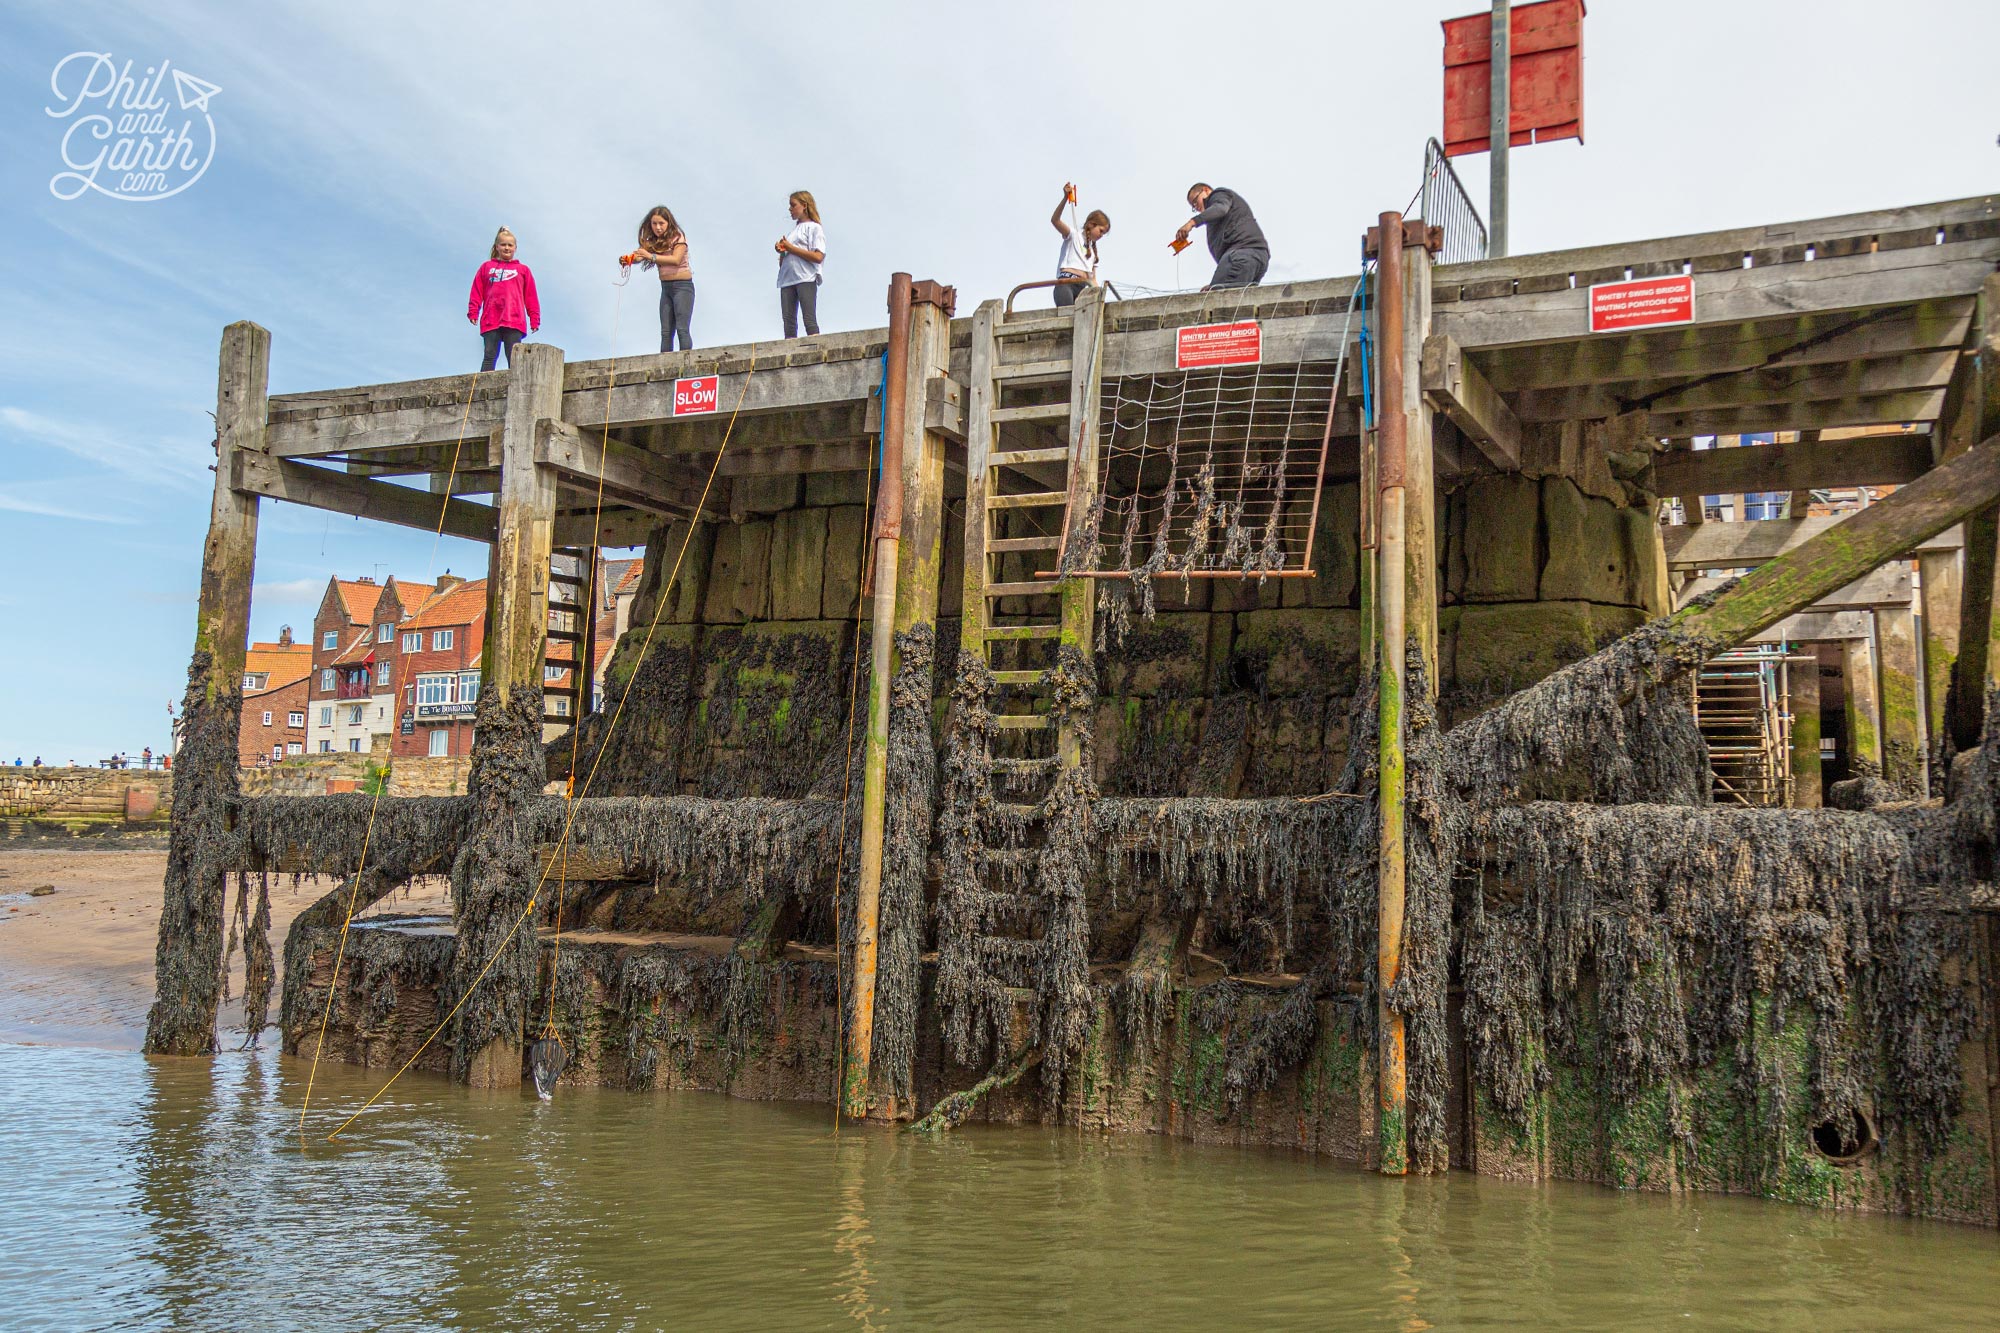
x=375, y=801
x=618, y=713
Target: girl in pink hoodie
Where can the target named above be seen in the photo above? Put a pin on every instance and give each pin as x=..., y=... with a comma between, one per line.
x=503, y=303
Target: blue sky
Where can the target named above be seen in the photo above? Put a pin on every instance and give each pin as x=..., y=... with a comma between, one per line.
x=364, y=154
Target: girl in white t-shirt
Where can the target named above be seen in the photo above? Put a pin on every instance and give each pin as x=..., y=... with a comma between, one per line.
x=1079, y=253
x=800, y=254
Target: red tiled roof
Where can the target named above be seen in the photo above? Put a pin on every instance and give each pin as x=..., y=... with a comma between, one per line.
x=358, y=651
x=461, y=604
x=284, y=664
x=358, y=598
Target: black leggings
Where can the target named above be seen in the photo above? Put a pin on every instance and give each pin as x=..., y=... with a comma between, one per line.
x=676, y=313
x=1066, y=292
x=799, y=299
x=497, y=339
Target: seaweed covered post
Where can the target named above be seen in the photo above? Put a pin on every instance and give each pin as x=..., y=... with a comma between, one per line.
x=494, y=876
x=1975, y=415
x=1902, y=724
x=188, y=962
x=1864, y=733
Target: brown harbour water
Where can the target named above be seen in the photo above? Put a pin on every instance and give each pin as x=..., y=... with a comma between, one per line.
x=146, y=1194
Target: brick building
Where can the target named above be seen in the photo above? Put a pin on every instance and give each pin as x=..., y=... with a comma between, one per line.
x=276, y=682
x=357, y=643
x=437, y=677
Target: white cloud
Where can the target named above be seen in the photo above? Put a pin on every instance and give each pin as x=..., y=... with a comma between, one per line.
x=290, y=590
x=17, y=503
x=180, y=464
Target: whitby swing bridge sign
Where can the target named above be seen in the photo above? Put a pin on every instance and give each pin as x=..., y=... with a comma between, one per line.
x=129, y=135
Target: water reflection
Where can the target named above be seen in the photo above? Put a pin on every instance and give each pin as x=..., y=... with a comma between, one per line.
x=176, y=1195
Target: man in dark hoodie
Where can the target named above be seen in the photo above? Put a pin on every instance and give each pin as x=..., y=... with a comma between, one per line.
x=1234, y=239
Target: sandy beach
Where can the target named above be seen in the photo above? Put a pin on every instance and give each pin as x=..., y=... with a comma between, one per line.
x=76, y=965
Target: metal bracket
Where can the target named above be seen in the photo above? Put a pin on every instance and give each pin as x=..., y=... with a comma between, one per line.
x=928, y=292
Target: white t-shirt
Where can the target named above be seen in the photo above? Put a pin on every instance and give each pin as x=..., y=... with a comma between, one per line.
x=1074, y=259
x=793, y=270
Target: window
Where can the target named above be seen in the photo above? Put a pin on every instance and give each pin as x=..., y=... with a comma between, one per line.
x=255, y=680
x=267, y=719
x=330, y=639
x=440, y=640
x=384, y=633
x=468, y=687
x=440, y=741
x=354, y=746
x=413, y=639
x=277, y=752
x=326, y=715
x=295, y=719
x=562, y=705
x=434, y=688
x=552, y=673
x=293, y=748
x=326, y=680
x=326, y=747
x=382, y=674
x=354, y=715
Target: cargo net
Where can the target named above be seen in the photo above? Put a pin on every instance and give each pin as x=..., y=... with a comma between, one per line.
x=1211, y=473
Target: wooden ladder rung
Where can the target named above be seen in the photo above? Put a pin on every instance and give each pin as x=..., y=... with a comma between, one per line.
x=1032, y=412
x=1021, y=721
x=1034, y=370
x=1036, y=588
x=1016, y=326
x=996, y=545
x=1015, y=457
x=991, y=632
x=1017, y=677
x=1026, y=500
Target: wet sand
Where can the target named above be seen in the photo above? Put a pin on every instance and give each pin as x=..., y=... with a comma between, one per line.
x=76, y=966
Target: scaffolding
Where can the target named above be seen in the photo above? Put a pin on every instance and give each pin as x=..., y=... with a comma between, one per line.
x=1742, y=705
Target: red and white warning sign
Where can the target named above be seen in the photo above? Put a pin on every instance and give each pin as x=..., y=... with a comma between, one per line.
x=1641, y=303
x=692, y=397
x=1239, y=344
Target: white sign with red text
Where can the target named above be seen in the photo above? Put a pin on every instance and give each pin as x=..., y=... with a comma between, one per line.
x=693, y=397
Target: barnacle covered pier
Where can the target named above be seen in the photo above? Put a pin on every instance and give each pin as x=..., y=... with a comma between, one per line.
x=1303, y=750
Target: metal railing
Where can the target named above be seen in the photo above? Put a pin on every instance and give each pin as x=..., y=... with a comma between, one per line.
x=1442, y=201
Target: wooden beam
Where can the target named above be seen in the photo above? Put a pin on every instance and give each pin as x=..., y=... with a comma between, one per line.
x=1658, y=395
x=1887, y=586
x=1864, y=719
x=1868, y=460
x=1817, y=627
x=1828, y=337
x=1914, y=406
x=615, y=527
x=1939, y=580
x=584, y=456
x=799, y=459
x=1455, y=387
x=385, y=502
x=1742, y=545
x=1802, y=703
x=944, y=407
x=1902, y=723
x=1976, y=673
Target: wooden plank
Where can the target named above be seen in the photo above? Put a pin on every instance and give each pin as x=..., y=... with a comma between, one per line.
x=1058, y=411
x=1892, y=277
x=771, y=387
x=944, y=407
x=385, y=502
x=1456, y=387
x=519, y=571
x=980, y=437
x=1929, y=369
x=1027, y=500
x=1834, y=337
x=1869, y=460
x=587, y=457
x=799, y=459
x=1915, y=407
x=1740, y=545
x=999, y=545
x=1818, y=627
x=1938, y=585
x=1887, y=586
x=1864, y=718
x=1802, y=702
x=1902, y=723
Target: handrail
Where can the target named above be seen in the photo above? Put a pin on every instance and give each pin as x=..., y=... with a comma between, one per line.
x=1045, y=282
x=1442, y=201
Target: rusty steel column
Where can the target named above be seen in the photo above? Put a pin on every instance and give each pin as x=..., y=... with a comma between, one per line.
x=875, y=763
x=1391, y=586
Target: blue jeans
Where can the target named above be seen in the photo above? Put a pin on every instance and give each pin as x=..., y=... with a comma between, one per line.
x=676, y=313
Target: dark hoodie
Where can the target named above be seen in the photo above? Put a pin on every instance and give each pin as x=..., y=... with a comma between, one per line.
x=1231, y=225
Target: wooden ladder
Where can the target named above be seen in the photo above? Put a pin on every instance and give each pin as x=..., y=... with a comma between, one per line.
x=573, y=574
x=1031, y=463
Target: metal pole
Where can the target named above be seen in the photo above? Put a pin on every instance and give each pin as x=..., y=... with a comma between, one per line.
x=1391, y=580
x=1498, y=128
x=875, y=762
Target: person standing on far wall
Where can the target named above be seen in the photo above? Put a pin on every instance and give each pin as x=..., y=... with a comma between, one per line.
x=800, y=254
x=503, y=304
x=1079, y=253
x=664, y=246
x=1235, y=241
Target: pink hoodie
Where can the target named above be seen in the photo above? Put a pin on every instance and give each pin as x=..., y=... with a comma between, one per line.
x=503, y=297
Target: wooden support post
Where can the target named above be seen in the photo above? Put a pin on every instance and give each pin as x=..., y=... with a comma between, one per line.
x=1864, y=733
x=1420, y=475
x=495, y=883
x=1976, y=416
x=188, y=959
x=1940, y=579
x=1086, y=376
x=1902, y=724
x=1802, y=681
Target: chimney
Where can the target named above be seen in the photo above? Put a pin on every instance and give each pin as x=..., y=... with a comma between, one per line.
x=446, y=582
x=285, y=636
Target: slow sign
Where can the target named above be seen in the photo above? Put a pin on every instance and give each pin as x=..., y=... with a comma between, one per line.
x=693, y=397
x=1641, y=303
x=1238, y=344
